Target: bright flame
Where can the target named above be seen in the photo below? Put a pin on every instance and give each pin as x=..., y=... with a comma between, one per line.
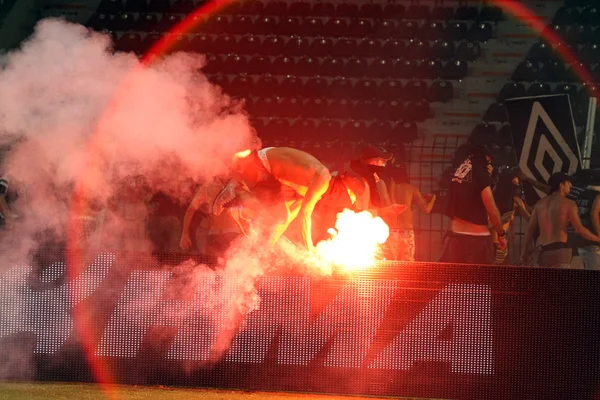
x=243, y=154
x=355, y=241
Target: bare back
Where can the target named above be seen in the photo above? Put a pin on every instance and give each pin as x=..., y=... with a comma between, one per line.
x=553, y=218
x=294, y=168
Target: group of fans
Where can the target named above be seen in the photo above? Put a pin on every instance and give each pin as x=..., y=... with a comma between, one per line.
x=270, y=188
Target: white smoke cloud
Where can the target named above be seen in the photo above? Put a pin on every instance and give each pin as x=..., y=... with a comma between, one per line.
x=90, y=116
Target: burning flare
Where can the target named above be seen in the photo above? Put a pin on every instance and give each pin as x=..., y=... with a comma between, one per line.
x=355, y=241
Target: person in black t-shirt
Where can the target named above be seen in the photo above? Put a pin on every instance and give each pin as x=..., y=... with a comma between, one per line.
x=470, y=204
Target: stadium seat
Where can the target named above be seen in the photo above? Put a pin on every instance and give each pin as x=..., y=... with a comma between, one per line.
x=443, y=50
x=364, y=109
x=158, y=6
x=504, y=136
x=407, y=131
x=416, y=111
x=276, y=129
x=307, y=66
x=252, y=7
x=368, y=48
x=272, y=46
x=552, y=71
x=491, y=14
x=243, y=85
x=393, y=48
x=480, y=32
x=415, y=90
x=496, y=112
x=303, y=128
x=454, y=70
x=299, y=8
x=234, y=64
x=339, y=109
x=468, y=51
x=442, y=13
x=591, y=15
x=390, y=110
x=354, y=131
x=316, y=107
x=241, y=25
x=226, y=44
x=288, y=26
x=404, y=69
x=129, y=42
x=394, y=10
x=331, y=66
x=321, y=47
x=123, y=22
x=311, y=27
x=297, y=47
x=323, y=9
x=150, y=40
x=167, y=22
x=538, y=89
x=511, y=90
x=249, y=44
x=356, y=67
x=565, y=16
x=361, y=28
x=381, y=68
x=590, y=53
x=428, y=69
x=366, y=89
x=136, y=6
x=340, y=88
x=276, y=7
x=379, y=132
x=109, y=7
x=456, y=31
x=290, y=107
x=348, y=10
x=183, y=7
x=291, y=86
x=560, y=31
x=316, y=86
x=336, y=27
x=442, y=91
x=526, y=71
x=407, y=30
x=101, y=22
x=417, y=11
x=418, y=50
x=390, y=89
x=431, y=31
x=384, y=28
x=267, y=85
x=540, y=52
x=483, y=134
x=579, y=34
x=258, y=65
x=265, y=25
x=466, y=13
x=222, y=81
x=344, y=47
x=283, y=65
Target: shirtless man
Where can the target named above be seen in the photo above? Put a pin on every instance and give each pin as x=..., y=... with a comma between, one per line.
x=552, y=216
x=404, y=235
x=302, y=178
x=471, y=208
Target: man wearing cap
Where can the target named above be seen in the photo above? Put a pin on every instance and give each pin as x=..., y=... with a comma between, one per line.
x=371, y=166
x=552, y=215
x=471, y=208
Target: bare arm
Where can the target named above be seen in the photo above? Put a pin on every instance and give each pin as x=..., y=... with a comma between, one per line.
x=362, y=203
x=317, y=188
x=522, y=208
x=576, y=223
x=200, y=197
x=380, y=185
x=424, y=205
x=490, y=205
x=595, y=214
x=531, y=227
x=538, y=185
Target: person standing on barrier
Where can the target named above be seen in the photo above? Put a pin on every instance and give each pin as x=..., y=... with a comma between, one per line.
x=470, y=206
x=552, y=216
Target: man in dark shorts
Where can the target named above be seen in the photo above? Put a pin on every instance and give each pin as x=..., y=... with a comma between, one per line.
x=470, y=204
x=552, y=215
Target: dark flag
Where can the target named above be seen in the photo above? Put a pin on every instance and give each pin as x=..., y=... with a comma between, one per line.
x=544, y=138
